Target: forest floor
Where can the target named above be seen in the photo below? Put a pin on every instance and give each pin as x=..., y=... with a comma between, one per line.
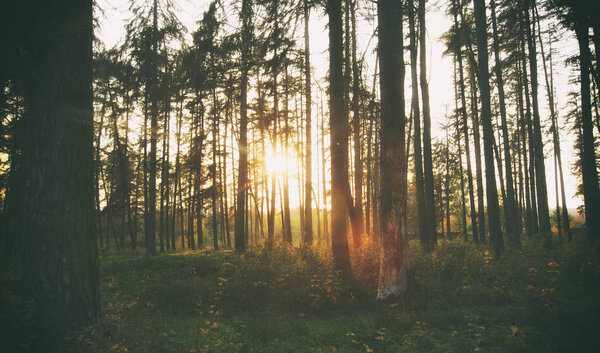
x=280, y=299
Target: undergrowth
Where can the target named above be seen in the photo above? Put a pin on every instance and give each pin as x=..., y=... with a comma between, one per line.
x=279, y=298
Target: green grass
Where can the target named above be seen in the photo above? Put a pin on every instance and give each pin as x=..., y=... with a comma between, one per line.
x=279, y=299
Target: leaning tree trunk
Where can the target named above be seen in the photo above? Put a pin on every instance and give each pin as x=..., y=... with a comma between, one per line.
x=394, y=242
x=60, y=260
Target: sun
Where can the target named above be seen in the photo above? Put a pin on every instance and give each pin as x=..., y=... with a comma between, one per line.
x=275, y=162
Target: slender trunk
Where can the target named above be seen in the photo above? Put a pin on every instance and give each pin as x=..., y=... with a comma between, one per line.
x=153, y=91
x=358, y=164
x=465, y=126
x=510, y=207
x=241, y=197
x=540, y=169
x=418, y=157
x=287, y=220
x=307, y=233
x=427, y=154
x=215, y=187
x=488, y=133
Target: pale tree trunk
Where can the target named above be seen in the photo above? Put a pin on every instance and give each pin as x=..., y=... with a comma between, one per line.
x=394, y=242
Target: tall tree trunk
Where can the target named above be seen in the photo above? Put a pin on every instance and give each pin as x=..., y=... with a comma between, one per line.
x=591, y=190
x=394, y=241
x=510, y=207
x=153, y=91
x=488, y=133
x=177, y=177
x=339, y=140
x=358, y=164
x=540, y=169
x=465, y=126
x=562, y=218
x=307, y=231
x=287, y=220
x=215, y=186
x=427, y=158
x=418, y=157
x=60, y=282
x=323, y=175
x=447, y=182
x=239, y=240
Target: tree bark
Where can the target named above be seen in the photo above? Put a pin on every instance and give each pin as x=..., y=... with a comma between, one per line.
x=427, y=158
x=510, y=207
x=307, y=233
x=488, y=133
x=394, y=242
x=60, y=283
x=339, y=140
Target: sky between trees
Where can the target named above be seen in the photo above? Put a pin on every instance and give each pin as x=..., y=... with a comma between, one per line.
x=112, y=17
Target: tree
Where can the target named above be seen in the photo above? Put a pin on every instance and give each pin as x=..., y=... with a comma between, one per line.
x=60, y=264
x=307, y=232
x=427, y=158
x=510, y=207
x=538, y=146
x=394, y=242
x=488, y=134
x=339, y=140
x=240, y=214
x=418, y=152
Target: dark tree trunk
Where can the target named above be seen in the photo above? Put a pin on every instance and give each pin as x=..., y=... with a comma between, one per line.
x=153, y=94
x=591, y=191
x=510, y=207
x=307, y=231
x=240, y=214
x=60, y=285
x=488, y=133
x=418, y=157
x=339, y=140
x=358, y=164
x=465, y=126
x=427, y=158
x=540, y=169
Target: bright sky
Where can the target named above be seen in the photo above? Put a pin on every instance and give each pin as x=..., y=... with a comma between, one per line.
x=440, y=69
